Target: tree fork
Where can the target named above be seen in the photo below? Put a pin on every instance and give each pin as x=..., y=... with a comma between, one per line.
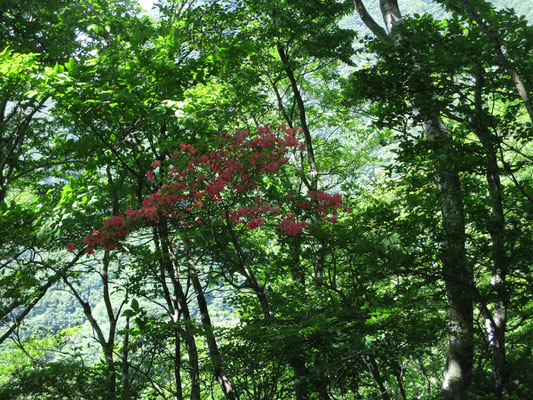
x=225, y=381
x=190, y=343
x=457, y=274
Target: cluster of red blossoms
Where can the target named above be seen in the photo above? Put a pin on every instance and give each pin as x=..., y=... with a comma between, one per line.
x=193, y=182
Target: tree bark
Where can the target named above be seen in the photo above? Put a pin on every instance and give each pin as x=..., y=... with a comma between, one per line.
x=225, y=381
x=495, y=325
x=303, y=117
x=190, y=342
x=125, y=355
x=174, y=313
x=374, y=370
x=523, y=91
x=456, y=272
x=398, y=372
x=301, y=372
x=106, y=344
x=112, y=318
x=179, y=295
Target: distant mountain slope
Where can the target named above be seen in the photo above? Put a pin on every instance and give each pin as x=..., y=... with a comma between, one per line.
x=522, y=7
x=410, y=7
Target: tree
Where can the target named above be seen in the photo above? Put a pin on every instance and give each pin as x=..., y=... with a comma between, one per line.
x=454, y=75
x=27, y=154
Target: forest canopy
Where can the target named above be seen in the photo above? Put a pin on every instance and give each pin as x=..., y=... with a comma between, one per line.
x=263, y=200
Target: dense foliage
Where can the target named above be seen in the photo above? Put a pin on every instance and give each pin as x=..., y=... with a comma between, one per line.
x=283, y=199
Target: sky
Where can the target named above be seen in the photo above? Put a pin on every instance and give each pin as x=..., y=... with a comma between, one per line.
x=146, y=4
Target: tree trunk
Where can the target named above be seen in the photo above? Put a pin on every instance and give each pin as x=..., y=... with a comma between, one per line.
x=225, y=381
x=303, y=118
x=181, y=299
x=370, y=361
x=523, y=91
x=177, y=364
x=190, y=342
x=297, y=363
x=110, y=343
x=495, y=324
x=457, y=273
x=125, y=355
x=106, y=345
x=173, y=309
x=398, y=372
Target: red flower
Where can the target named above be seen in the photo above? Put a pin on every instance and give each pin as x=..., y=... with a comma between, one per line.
x=255, y=223
x=291, y=227
x=114, y=222
x=70, y=247
x=235, y=167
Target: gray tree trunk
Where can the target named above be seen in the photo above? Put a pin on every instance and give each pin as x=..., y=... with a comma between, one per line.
x=225, y=381
x=178, y=296
x=496, y=323
x=456, y=271
x=467, y=8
